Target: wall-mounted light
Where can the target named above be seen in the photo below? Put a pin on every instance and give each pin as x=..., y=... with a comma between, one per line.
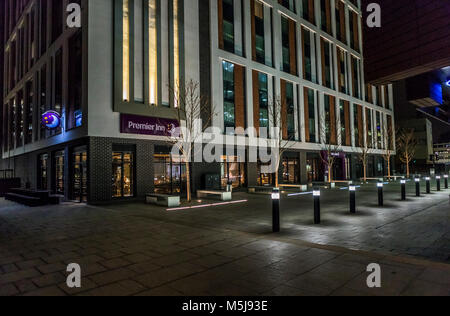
x=51, y=119
x=447, y=83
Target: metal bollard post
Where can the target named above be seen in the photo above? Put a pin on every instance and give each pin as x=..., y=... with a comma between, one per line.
x=352, y=190
x=276, y=210
x=316, y=195
x=380, y=194
x=438, y=183
x=403, y=184
x=446, y=181
x=428, y=185
x=417, y=187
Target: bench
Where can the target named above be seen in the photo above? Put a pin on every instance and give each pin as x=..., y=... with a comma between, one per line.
x=222, y=195
x=301, y=187
x=162, y=200
x=260, y=190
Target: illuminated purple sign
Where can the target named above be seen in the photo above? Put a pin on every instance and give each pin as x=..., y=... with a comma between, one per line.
x=144, y=125
x=51, y=119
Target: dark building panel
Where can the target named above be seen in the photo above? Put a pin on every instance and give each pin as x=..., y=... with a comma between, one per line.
x=414, y=38
x=2, y=48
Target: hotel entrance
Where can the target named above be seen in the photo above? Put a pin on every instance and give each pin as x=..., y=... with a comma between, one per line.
x=170, y=173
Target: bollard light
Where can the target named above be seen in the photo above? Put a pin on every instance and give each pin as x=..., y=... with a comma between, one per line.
x=446, y=181
x=276, y=210
x=428, y=185
x=403, y=184
x=417, y=187
x=380, y=193
x=316, y=195
x=438, y=183
x=352, y=190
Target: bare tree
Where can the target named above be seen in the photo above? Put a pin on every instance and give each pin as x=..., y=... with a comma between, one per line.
x=191, y=108
x=278, y=124
x=389, y=151
x=330, y=152
x=406, y=144
x=364, y=152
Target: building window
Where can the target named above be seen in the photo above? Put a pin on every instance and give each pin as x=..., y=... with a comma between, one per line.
x=354, y=30
x=330, y=120
x=369, y=126
x=229, y=95
x=42, y=97
x=358, y=125
x=123, y=174
x=289, y=109
x=59, y=172
x=228, y=25
x=43, y=28
x=288, y=45
x=325, y=10
x=260, y=53
x=308, y=10
x=344, y=110
x=263, y=98
x=379, y=131
x=19, y=119
x=308, y=53
x=288, y=4
x=57, y=19
x=232, y=171
x=43, y=172
x=58, y=82
x=13, y=123
x=170, y=172
x=340, y=21
x=369, y=93
x=342, y=70
x=327, y=64
x=75, y=116
x=310, y=115
x=153, y=51
x=29, y=112
x=355, y=77
x=126, y=50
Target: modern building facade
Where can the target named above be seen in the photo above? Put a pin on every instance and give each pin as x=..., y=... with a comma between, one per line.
x=129, y=57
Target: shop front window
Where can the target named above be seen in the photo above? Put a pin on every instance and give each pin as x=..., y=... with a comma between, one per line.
x=170, y=174
x=123, y=174
x=59, y=173
x=79, y=181
x=232, y=171
x=43, y=172
x=264, y=179
x=291, y=171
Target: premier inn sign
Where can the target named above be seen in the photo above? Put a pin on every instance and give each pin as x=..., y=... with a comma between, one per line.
x=144, y=125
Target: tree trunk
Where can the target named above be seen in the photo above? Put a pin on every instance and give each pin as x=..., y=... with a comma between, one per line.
x=330, y=176
x=188, y=182
x=365, y=171
x=389, y=168
x=407, y=170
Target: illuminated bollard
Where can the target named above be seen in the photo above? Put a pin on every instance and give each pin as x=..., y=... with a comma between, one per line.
x=380, y=194
x=403, y=183
x=428, y=185
x=276, y=210
x=446, y=181
x=417, y=187
x=316, y=195
x=438, y=183
x=352, y=190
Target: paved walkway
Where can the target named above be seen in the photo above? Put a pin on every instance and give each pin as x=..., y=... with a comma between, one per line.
x=134, y=249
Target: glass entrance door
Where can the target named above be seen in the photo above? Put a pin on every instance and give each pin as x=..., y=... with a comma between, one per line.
x=79, y=182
